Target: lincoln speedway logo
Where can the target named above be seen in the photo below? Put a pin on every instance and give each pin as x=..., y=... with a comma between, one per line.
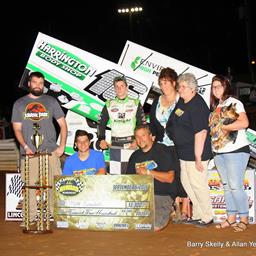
x=36, y=111
x=64, y=60
x=69, y=186
x=15, y=186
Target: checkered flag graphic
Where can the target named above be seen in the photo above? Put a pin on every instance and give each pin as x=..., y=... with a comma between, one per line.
x=75, y=181
x=80, y=185
x=16, y=186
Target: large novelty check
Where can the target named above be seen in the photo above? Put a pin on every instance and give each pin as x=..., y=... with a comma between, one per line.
x=104, y=202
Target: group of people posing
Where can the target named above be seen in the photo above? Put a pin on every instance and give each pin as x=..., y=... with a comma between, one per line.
x=182, y=136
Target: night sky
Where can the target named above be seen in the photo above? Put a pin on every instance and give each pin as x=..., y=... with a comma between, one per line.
x=211, y=36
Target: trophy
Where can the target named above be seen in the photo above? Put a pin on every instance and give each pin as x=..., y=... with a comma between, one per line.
x=41, y=187
x=37, y=138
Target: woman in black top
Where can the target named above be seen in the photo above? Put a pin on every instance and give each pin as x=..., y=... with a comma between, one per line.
x=188, y=128
x=160, y=112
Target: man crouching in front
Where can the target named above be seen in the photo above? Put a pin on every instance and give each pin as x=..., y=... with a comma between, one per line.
x=152, y=158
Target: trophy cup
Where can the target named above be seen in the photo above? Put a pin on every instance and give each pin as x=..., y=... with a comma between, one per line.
x=37, y=138
x=42, y=187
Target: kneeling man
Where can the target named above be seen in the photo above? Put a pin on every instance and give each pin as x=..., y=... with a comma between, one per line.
x=153, y=159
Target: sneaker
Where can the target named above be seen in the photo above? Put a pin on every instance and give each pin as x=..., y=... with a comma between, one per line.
x=191, y=221
x=203, y=224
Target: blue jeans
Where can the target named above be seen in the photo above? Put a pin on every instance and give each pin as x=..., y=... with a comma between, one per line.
x=231, y=167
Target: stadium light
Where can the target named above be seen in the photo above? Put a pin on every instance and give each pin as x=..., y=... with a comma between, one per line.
x=130, y=11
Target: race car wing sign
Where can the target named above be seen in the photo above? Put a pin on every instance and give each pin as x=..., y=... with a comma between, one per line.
x=149, y=63
x=80, y=81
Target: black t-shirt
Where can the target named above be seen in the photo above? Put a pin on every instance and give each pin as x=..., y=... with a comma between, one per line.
x=186, y=120
x=160, y=154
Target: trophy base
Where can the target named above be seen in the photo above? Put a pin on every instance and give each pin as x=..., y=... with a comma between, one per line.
x=35, y=231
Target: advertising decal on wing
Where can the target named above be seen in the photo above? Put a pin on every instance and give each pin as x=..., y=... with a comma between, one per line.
x=80, y=81
x=149, y=63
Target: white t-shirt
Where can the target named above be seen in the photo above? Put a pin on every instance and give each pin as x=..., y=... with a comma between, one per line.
x=241, y=139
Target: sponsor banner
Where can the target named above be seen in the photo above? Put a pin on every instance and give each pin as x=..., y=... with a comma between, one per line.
x=217, y=195
x=80, y=81
x=251, y=136
x=104, y=202
x=149, y=63
x=13, y=197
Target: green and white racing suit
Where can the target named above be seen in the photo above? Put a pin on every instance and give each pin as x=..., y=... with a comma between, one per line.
x=122, y=116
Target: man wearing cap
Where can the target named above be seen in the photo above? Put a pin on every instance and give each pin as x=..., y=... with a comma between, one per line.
x=122, y=114
x=85, y=161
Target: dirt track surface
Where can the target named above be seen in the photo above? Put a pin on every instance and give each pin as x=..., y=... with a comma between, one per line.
x=176, y=239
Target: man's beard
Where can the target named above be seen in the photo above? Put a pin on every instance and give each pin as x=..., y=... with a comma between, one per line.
x=36, y=92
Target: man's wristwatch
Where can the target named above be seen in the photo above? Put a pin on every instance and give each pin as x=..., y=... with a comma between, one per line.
x=25, y=147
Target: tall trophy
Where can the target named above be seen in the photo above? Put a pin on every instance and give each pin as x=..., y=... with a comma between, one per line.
x=41, y=188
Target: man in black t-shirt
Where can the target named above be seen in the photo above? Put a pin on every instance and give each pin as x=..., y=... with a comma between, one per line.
x=153, y=159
